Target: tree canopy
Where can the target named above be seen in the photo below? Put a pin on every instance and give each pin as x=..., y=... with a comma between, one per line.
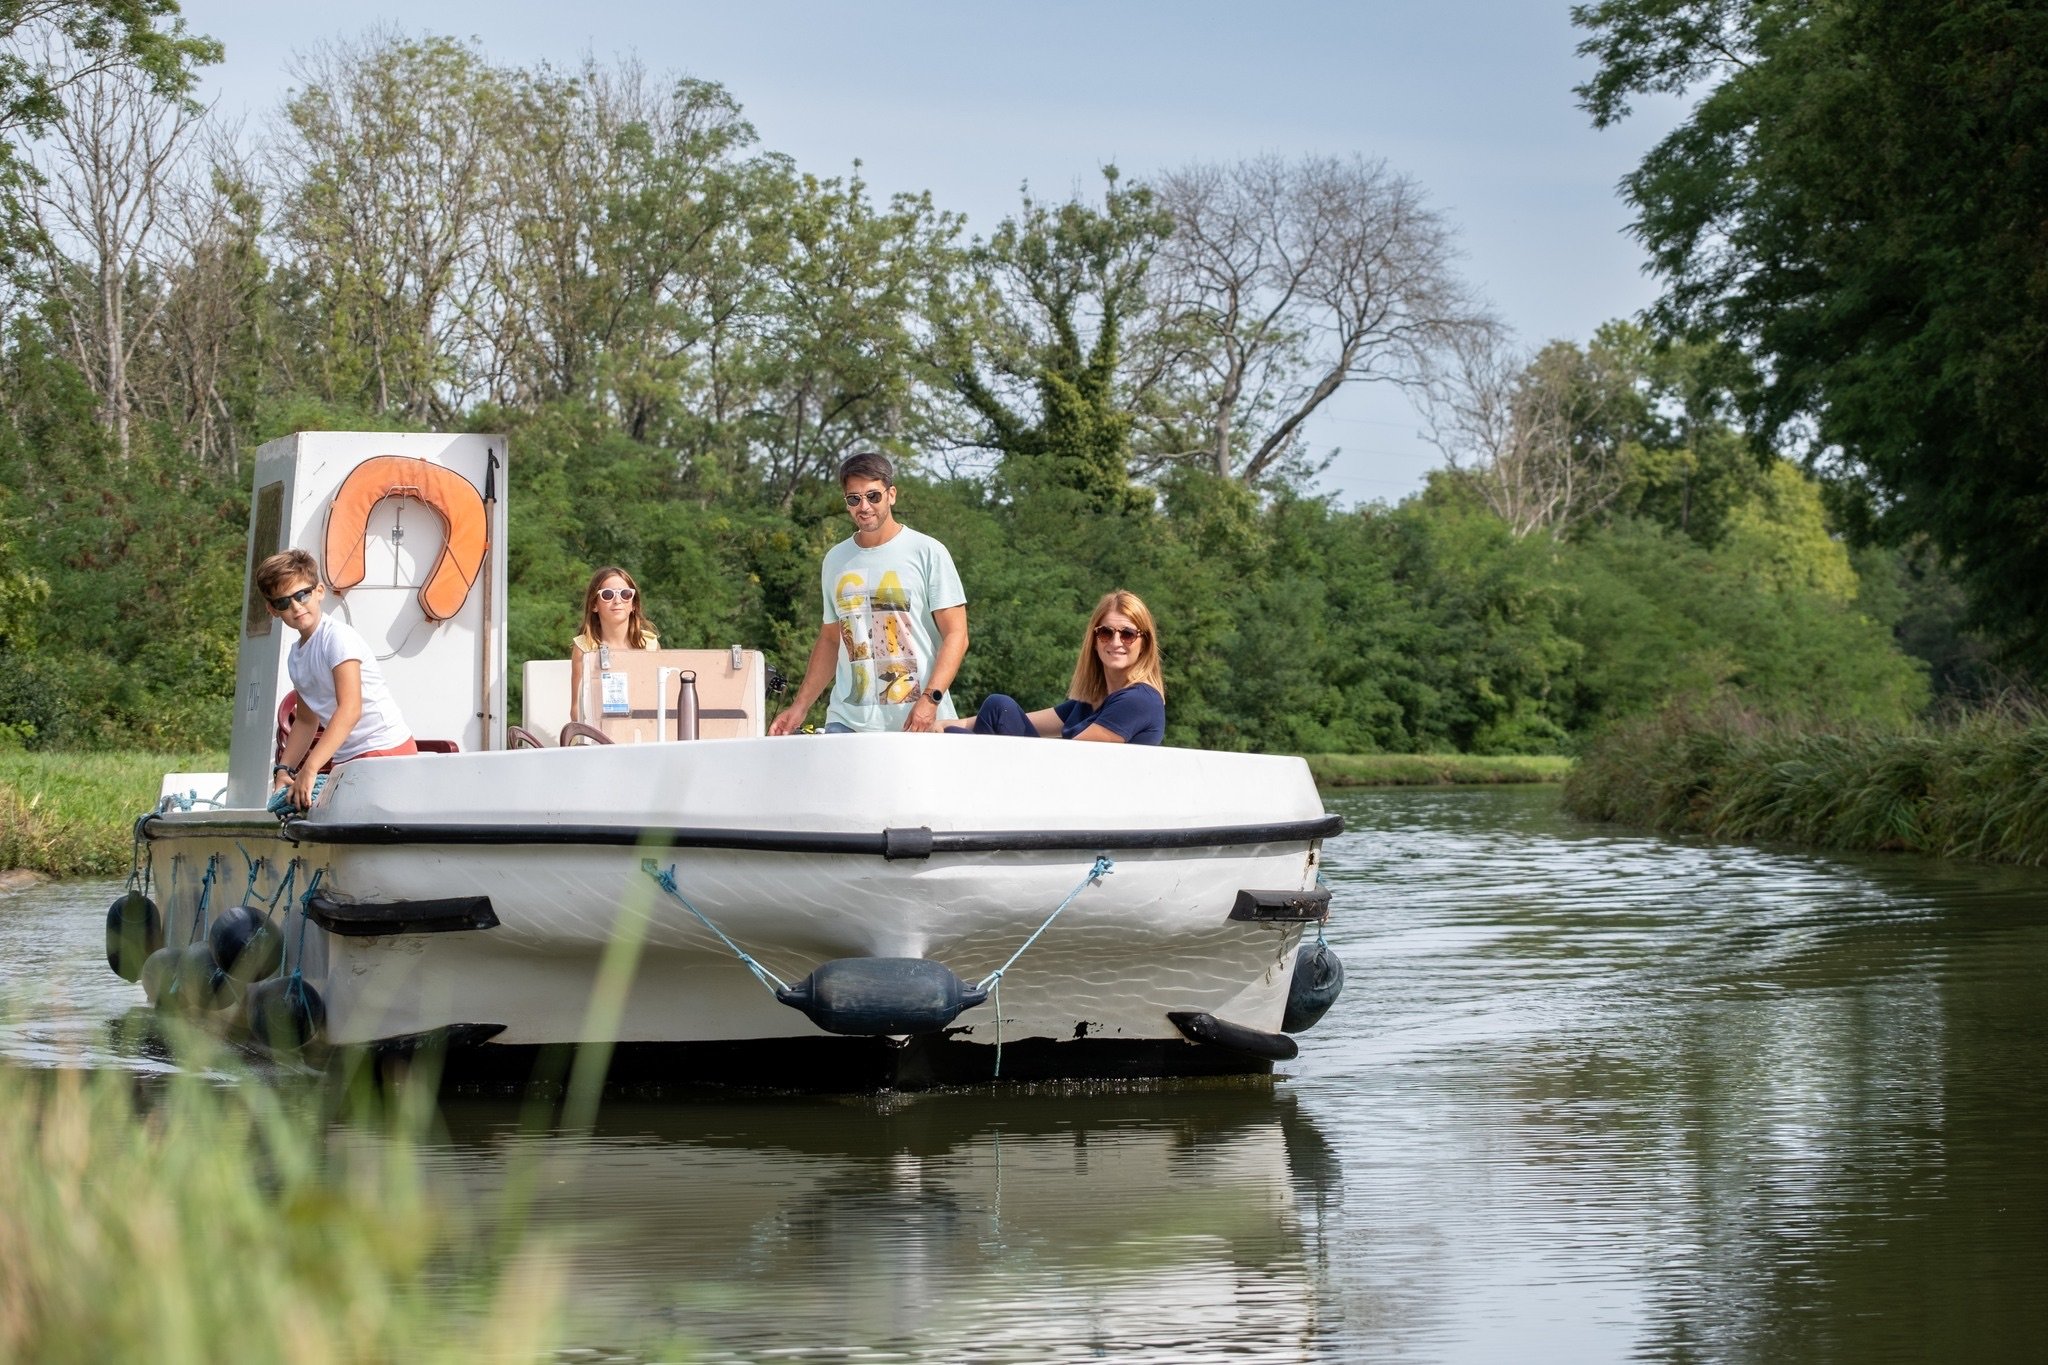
x=1858, y=207
x=682, y=332
x=49, y=46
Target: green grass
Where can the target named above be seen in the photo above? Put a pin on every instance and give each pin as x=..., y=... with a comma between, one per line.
x=1427, y=770
x=1973, y=786
x=73, y=815
x=192, y=1219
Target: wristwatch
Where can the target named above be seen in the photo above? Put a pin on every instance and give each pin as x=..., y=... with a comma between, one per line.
x=935, y=695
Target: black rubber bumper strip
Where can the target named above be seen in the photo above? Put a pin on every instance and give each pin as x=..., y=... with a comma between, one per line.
x=1284, y=907
x=365, y=919
x=915, y=842
x=1207, y=1028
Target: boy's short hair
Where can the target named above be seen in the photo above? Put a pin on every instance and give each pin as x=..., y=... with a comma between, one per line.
x=869, y=464
x=281, y=568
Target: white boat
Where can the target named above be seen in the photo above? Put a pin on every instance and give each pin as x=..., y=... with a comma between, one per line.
x=852, y=911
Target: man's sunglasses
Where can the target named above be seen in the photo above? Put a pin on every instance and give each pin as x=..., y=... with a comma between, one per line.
x=290, y=600
x=622, y=594
x=873, y=495
x=1127, y=634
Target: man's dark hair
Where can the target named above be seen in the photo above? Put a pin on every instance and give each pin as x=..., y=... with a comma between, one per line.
x=869, y=464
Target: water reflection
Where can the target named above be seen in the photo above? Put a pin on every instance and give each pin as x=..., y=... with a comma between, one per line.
x=1148, y=1223
x=1678, y=1101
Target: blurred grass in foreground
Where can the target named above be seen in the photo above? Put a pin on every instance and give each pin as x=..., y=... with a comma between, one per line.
x=73, y=815
x=1971, y=786
x=1428, y=770
x=181, y=1218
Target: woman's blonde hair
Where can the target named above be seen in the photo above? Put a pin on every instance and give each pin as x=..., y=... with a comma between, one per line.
x=637, y=630
x=1090, y=685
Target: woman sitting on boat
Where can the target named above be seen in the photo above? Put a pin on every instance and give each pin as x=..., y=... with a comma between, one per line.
x=1117, y=695
x=611, y=620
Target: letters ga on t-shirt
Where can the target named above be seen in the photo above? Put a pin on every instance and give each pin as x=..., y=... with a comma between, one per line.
x=882, y=598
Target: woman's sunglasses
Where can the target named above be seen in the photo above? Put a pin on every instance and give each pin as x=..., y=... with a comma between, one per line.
x=290, y=600
x=873, y=495
x=1127, y=634
x=622, y=594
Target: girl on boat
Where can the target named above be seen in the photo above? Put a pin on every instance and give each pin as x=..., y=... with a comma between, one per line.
x=611, y=620
x=1117, y=695
x=344, y=711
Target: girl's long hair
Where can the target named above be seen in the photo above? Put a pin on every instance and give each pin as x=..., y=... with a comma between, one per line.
x=638, y=634
x=1090, y=685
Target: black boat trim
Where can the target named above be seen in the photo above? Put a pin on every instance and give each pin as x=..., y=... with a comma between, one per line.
x=1283, y=907
x=155, y=826
x=1199, y=1027
x=368, y=919
x=915, y=842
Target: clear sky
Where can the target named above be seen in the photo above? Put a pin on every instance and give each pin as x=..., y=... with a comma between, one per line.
x=1470, y=97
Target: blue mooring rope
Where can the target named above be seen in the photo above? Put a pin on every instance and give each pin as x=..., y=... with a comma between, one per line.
x=205, y=893
x=993, y=982
x=305, y=913
x=667, y=882
x=284, y=886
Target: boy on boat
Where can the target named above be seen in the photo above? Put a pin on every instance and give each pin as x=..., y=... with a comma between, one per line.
x=339, y=684
x=895, y=621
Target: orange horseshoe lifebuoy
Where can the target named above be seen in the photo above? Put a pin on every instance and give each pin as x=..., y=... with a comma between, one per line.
x=453, y=498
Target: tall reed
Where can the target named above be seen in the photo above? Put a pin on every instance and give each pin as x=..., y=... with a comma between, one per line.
x=186, y=1218
x=1971, y=785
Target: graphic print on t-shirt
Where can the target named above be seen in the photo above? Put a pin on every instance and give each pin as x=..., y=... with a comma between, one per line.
x=875, y=627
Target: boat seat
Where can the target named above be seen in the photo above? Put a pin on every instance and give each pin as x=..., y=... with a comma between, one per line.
x=732, y=700
x=544, y=699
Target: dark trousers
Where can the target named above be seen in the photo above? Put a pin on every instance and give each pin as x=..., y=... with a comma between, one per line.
x=1001, y=715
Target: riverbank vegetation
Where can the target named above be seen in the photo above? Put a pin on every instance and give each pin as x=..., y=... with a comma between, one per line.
x=1973, y=786
x=73, y=814
x=1434, y=770
x=188, y=1218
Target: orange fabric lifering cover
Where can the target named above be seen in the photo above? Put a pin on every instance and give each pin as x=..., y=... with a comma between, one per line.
x=453, y=498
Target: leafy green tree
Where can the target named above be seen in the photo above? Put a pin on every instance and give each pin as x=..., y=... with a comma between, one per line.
x=1774, y=614
x=1859, y=205
x=1034, y=349
x=392, y=149
x=833, y=363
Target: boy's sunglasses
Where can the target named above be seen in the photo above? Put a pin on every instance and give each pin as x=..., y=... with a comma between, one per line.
x=289, y=600
x=1127, y=634
x=622, y=594
x=873, y=495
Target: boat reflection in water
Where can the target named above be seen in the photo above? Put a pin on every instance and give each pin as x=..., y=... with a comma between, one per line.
x=943, y=1226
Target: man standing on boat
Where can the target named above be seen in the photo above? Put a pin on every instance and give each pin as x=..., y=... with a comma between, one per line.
x=895, y=622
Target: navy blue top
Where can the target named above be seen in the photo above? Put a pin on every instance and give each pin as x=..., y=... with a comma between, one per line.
x=1137, y=713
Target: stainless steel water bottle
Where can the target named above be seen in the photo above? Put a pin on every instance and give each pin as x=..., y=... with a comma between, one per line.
x=686, y=706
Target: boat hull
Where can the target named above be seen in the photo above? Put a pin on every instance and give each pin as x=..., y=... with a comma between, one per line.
x=517, y=886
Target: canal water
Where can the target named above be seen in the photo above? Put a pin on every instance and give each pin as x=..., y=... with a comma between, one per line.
x=1587, y=1097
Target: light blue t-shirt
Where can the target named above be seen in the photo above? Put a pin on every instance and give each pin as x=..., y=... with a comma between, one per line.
x=883, y=599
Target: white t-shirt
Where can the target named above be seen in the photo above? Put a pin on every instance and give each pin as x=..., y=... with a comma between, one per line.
x=311, y=664
x=883, y=599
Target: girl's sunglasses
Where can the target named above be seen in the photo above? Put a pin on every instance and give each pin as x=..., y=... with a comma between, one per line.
x=1127, y=634
x=622, y=594
x=873, y=495
x=289, y=600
